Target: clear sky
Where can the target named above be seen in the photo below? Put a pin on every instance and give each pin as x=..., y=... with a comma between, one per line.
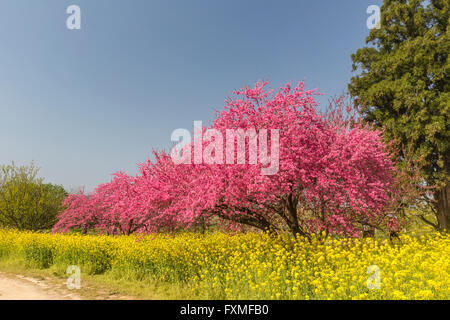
x=83, y=104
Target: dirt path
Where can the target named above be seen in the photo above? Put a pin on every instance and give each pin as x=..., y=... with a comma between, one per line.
x=15, y=287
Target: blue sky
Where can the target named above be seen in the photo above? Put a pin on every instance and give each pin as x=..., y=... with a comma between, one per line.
x=83, y=104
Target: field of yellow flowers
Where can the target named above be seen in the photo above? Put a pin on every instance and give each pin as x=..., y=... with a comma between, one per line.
x=253, y=266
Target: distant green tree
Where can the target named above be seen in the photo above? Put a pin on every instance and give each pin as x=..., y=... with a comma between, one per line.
x=403, y=86
x=26, y=203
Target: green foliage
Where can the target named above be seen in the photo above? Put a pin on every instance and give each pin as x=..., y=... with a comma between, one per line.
x=26, y=202
x=404, y=81
x=37, y=255
x=403, y=85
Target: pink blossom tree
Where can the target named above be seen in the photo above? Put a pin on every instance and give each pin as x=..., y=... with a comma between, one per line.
x=81, y=211
x=332, y=173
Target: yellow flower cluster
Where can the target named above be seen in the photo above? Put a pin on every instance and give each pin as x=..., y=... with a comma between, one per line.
x=254, y=266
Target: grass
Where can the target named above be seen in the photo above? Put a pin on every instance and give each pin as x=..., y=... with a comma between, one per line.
x=106, y=286
x=240, y=266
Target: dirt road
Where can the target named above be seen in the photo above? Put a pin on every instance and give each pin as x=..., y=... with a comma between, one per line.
x=14, y=287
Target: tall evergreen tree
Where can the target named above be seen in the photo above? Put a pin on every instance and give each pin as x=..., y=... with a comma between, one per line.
x=403, y=84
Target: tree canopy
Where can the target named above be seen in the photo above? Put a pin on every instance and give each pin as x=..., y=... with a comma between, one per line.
x=403, y=85
x=26, y=202
x=333, y=173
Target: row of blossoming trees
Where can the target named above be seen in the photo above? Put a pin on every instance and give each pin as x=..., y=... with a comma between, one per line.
x=335, y=174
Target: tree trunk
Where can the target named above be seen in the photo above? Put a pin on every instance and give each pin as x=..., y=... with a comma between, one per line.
x=443, y=207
